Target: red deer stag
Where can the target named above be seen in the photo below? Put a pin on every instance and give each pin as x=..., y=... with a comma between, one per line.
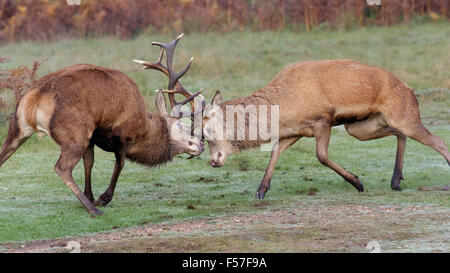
x=317, y=95
x=85, y=105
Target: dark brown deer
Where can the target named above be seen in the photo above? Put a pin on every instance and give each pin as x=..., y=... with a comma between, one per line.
x=315, y=96
x=85, y=105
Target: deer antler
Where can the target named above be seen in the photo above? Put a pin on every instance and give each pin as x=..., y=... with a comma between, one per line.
x=175, y=86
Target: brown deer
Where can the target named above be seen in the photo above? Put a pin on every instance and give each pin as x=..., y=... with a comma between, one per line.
x=85, y=105
x=317, y=95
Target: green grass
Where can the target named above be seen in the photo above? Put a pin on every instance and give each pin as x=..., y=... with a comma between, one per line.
x=37, y=204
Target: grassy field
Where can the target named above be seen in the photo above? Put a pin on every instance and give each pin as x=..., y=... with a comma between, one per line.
x=35, y=204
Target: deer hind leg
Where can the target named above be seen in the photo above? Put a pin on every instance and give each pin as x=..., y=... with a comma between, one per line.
x=73, y=138
x=88, y=162
x=407, y=121
x=107, y=196
x=375, y=127
x=18, y=133
x=322, y=133
x=277, y=149
x=421, y=134
x=397, y=176
x=69, y=158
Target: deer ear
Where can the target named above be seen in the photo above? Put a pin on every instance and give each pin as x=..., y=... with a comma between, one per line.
x=161, y=103
x=217, y=100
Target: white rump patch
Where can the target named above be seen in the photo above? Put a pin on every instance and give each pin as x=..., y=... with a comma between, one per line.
x=42, y=121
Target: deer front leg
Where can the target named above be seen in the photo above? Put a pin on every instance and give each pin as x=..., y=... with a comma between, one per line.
x=88, y=162
x=107, y=196
x=322, y=134
x=277, y=149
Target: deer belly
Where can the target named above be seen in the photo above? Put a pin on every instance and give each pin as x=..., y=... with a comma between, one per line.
x=351, y=114
x=369, y=128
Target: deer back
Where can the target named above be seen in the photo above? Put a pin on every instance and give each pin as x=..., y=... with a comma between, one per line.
x=88, y=96
x=337, y=89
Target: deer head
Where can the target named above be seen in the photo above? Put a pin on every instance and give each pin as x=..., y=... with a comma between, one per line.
x=213, y=130
x=180, y=134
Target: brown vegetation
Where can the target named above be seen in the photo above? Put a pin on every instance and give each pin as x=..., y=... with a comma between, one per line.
x=18, y=80
x=49, y=19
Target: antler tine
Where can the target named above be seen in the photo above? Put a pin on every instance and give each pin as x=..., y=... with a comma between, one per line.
x=157, y=66
x=161, y=54
x=178, y=105
x=190, y=99
x=181, y=74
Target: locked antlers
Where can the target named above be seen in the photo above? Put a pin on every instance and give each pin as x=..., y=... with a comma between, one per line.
x=175, y=86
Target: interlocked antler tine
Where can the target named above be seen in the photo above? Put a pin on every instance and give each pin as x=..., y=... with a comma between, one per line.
x=188, y=98
x=178, y=105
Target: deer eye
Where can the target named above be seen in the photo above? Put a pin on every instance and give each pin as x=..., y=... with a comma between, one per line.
x=206, y=131
x=180, y=126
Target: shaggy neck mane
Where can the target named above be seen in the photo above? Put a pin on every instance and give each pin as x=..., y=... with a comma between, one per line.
x=155, y=147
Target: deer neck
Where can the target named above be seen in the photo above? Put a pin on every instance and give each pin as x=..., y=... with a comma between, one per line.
x=155, y=147
x=258, y=98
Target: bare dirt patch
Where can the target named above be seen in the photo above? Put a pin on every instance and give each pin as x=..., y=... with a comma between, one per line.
x=313, y=228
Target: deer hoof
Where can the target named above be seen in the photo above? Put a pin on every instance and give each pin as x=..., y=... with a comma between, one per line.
x=103, y=200
x=357, y=183
x=360, y=188
x=96, y=212
x=395, y=182
x=260, y=195
x=101, y=203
